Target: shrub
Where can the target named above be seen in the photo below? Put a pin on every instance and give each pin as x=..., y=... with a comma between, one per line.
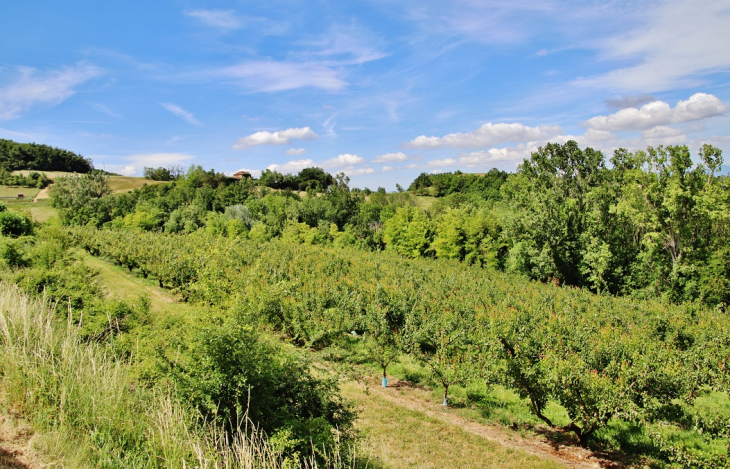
x=14, y=224
x=230, y=374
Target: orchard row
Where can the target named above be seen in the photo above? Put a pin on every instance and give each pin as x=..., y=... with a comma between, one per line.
x=600, y=357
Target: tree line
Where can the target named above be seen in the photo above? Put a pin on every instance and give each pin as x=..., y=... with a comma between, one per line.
x=645, y=224
x=15, y=156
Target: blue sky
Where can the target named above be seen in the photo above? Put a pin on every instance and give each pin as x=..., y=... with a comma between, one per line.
x=382, y=90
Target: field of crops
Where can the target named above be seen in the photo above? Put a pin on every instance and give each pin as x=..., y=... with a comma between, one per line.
x=603, y=360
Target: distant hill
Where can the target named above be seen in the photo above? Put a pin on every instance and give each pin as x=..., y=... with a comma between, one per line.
x=32, y=156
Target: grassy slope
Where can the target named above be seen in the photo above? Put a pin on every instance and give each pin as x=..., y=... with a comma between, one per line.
x=394, y=436
x=39, y=211
x=117, y=183
x=424, y=201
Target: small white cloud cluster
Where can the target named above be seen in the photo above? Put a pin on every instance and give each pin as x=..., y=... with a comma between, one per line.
x=136, y=163
x=346, y=162
x=391, y=158
x=658, y=113
x=282, y=137
x=486, y=135
x=651, y=118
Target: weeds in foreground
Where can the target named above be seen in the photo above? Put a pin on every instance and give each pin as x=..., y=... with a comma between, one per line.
x=95, y=414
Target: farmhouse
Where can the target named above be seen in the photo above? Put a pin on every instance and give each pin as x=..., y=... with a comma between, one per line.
x=242, y=175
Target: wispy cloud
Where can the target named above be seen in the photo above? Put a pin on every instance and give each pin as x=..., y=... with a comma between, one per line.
x=272, y=76
x=296, y=151
x=12, y=134
x=182, y=114
x=678, y=43
x=105, y=110
x=344, y=45
x=32, y=87
x=282, y=137
x=486, y=135
x=222, y=19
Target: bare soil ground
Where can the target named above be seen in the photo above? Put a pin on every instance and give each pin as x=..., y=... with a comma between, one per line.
x=15, y=444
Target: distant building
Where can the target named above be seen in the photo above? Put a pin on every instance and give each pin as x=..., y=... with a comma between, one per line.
x=242, y=175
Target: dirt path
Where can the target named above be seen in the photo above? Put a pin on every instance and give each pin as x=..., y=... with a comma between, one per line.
x=418, y=400
x=15, y=445
x=42, y=194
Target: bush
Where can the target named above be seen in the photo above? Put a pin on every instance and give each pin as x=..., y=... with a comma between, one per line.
x=14, y=224
x=230, y=374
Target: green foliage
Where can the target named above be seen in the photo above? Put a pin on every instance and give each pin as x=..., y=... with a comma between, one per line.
x=408, y=232
x=164, y=174
x=602, y=359
x=14, y=156
x=716, y=279
x=231, y=375
x=186, y=219
x=80, y=199
x=33, y=179
x=14, y=224
x=485, y=186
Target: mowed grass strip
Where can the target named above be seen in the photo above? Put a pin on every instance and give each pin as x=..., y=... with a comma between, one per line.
x=13, y=191
x=398, y=437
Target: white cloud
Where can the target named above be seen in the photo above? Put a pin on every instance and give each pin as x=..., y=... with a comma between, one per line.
x=497, y=156
x=182, y=114
x=296, y=151
x=345, y=162
x=391, y=158
x=698, y=106
x=342, y=161
x=32, y=87
x=271, y=76
x=222, y=19
x=134, y=164
x=439, y=163
x=282, y=137
x=676, y=44
x=293, y=166
x=358, y=171
x=386, y=169
x=486, y=135
x=661, y=131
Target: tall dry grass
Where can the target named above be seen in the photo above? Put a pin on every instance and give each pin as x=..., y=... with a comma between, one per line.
x=93, y=412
